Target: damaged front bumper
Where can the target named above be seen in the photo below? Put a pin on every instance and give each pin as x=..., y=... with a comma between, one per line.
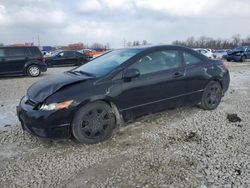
x=46, y=124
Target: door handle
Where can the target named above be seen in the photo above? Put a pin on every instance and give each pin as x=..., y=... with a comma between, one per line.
x=178, y=74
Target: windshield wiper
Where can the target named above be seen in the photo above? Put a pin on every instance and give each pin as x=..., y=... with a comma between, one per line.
x=82, y=72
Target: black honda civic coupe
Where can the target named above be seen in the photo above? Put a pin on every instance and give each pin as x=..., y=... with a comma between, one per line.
x=88, y=102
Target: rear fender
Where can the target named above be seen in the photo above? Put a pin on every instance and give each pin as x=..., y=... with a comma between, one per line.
x=33, y=62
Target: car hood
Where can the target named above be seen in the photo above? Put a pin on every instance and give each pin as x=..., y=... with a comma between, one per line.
x=42, y=89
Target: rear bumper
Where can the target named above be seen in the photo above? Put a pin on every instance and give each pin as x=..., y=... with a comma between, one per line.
x=43, y=124
x=225, y=82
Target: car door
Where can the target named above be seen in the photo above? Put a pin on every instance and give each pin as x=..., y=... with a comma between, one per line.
x=80, y=58
x=59, y=59
x=3, y=65
x=195, y=75
x=15, y=59
x=161, y=84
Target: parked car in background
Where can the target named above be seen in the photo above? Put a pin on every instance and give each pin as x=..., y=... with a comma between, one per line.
x=67, y=57
x=88, y=52
x=240, y=54
x=27, y=60
x=206, y=52
x=88, y=102
x=92, y=53
x=220, y=53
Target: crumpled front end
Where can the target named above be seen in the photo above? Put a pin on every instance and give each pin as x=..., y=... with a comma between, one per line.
x=46, y=124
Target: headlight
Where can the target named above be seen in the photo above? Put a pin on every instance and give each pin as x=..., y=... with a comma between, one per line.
x=56, y=106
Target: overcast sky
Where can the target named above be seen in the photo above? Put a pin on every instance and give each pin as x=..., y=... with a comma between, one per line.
x=88, y=21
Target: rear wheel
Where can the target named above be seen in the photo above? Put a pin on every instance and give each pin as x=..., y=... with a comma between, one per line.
x=33, y=70
x=211, y=96
x=93, y=123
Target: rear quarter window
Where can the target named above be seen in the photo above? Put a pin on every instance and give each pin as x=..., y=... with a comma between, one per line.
x=34, y=51
x=190, y=59
x=77, y=54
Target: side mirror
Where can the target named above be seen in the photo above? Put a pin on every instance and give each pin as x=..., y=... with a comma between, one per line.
x=131, y=73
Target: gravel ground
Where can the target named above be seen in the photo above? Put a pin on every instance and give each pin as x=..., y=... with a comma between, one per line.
x=185, y=147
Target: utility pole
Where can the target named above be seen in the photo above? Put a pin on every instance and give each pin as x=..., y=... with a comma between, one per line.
x=38, y=41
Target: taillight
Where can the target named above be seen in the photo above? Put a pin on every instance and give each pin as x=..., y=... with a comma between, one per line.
x=43, y=59
x=226, y=66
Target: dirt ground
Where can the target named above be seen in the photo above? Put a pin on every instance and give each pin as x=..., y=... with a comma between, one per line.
x=185, y=147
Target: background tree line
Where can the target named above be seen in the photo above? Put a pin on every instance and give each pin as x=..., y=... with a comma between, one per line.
x=208, y=42
x=136, y=43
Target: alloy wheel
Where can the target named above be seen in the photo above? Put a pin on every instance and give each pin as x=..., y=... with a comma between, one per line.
x=34, y=71
x=95, y=123
x=213, y=96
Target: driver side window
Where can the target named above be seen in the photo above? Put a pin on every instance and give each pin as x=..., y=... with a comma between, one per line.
x=157, y=61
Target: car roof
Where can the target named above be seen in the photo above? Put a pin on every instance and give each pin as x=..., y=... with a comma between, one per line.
x=155, y=47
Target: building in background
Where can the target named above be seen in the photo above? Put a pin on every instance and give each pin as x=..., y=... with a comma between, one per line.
x=76, y=46
x=23, y=44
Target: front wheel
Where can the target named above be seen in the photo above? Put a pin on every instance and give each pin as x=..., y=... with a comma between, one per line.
x=93, y=123
x=211, y=96
x=33, y=70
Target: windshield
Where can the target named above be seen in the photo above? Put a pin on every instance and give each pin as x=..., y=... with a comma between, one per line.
x=108, y=62
x=54, y=53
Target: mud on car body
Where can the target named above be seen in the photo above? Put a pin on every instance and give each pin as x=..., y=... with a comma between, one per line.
x=88, y=102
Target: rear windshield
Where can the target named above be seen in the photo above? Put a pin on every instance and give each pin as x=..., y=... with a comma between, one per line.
x=34, y=51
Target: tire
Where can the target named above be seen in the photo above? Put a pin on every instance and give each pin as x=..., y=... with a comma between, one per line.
x=33, y=71
x=211, y=96
x=243, y=59
x=93, y=123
